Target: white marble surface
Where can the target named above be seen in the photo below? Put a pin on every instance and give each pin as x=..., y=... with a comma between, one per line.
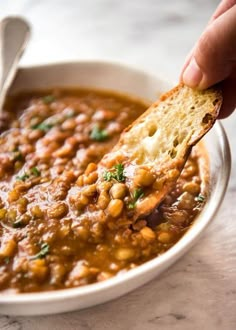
x=198, y=292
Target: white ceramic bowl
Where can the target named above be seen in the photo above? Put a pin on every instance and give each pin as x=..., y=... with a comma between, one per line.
x=110, y=76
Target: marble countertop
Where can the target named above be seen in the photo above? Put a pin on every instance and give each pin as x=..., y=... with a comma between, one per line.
x=199, y=291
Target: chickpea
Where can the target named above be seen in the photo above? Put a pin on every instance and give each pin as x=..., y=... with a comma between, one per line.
x=26, y=149
x=3, y=213
x=91, y=178
x=8, y=248
x=102, y=115
x=38, y=269
x=103, y=200
x=173, y=174
x=18, y=165
x=57, y=210
x=81, y=232
x=68, y=177
x=11, y=215
x=64, y=151
x=69, y=124
x=81, y=118
x=143, y=178
x=104, y=186
x=90, y=190
x=192, y=188
x=115, y=207
x=124, y=254
x=80, y=181
x=97, y=230
x=104, y=276
x=186, y=201
x=35, y=134
x=158, y=184
x=90, y=168
x=178, y=217
x=25, y=219
x=45, y=154
x=165, y=237
x=82, y=202
x=57, y=272
x=148, y=234
x=118, y=190
x=22, y=204
x=82, y=271
x=13, y=195
x=189, y=170
x=36, y=211
x=138, y=225
x=63, y=230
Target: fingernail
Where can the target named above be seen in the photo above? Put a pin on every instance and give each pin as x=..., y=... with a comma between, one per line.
x=192, y=75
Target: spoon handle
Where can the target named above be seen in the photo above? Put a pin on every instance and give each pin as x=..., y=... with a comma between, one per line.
x=14, y=34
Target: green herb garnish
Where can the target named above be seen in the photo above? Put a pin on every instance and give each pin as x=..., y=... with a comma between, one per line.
x=17, y=224
x=7, y=260
x=23, y=177
x=42, y=126
x=98, y=134
x=42, y=253
x=107, y=176
x=48, y=99
x=18, y=156
x=35, y=171
x=200, y=198
x=138, y=193
x=117, y=173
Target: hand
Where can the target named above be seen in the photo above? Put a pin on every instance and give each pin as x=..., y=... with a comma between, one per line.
x=213, y=58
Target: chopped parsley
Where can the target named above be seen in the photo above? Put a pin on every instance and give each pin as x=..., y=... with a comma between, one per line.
x=48, y=99
x=117, y=173
x=45, y=127
x=7, y=260
x=33, y=171
x=44, y=250
x=17, y=156
x=98, y=134
x=138, y=193
x=17, y=224
x=23, y=177
x=200, y=198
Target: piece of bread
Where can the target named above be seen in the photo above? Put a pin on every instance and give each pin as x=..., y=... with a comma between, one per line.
x=160, y=141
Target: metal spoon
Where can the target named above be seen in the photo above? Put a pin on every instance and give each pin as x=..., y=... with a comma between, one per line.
x=14, y=34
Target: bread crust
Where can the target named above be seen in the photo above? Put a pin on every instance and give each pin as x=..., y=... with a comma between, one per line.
x=182, y=114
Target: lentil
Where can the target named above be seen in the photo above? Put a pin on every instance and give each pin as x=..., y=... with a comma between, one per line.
x=60, y=225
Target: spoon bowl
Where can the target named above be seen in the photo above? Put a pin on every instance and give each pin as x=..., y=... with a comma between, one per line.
x=14, y=36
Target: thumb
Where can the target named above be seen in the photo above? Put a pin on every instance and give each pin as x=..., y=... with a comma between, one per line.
x=214, y=56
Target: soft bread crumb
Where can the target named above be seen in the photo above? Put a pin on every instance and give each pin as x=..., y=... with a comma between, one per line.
x=169, y=126
x=161, y=139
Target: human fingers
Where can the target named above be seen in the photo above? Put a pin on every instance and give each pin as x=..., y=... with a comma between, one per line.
x=214, y=56
x=221, y=9
x=229, y=97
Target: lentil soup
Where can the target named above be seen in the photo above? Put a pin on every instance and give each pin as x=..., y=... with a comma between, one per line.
x=54, y=235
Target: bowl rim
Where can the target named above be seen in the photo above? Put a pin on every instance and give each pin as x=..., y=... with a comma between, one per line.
x=170, y=255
